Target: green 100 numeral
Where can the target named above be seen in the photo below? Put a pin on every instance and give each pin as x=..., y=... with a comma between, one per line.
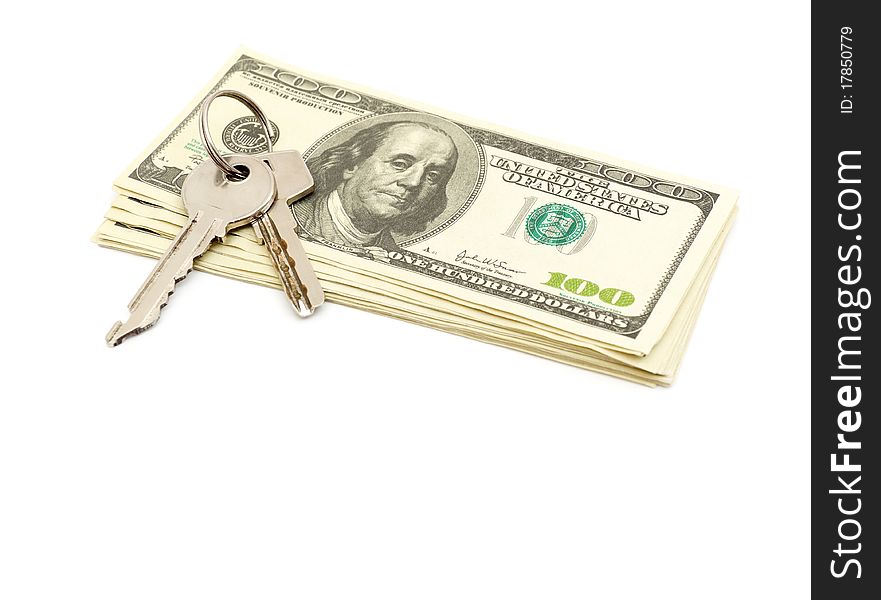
x=582, y=287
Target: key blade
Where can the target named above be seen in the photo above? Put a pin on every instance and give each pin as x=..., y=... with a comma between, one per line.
x=277, y=229
x=298, y=279
x=177, y=262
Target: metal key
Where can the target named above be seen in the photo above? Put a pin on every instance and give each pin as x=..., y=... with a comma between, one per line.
x=215, y=204
x=277, y=230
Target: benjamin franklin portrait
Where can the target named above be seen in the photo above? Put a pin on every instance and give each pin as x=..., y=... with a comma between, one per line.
x=388, y=179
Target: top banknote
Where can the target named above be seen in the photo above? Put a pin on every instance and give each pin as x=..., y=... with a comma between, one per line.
x=585, y=245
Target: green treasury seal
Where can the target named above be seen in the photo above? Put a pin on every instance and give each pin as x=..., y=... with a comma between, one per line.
x=555, y=224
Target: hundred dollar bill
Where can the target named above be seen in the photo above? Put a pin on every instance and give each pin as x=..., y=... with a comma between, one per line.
x=584, y=245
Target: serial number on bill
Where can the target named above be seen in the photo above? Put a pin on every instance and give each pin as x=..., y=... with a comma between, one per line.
x=846, y=54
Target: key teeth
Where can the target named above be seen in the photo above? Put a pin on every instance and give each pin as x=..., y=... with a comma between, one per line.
x=113, y=340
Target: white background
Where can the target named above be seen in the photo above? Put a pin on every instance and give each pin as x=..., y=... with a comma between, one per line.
x=236, y=452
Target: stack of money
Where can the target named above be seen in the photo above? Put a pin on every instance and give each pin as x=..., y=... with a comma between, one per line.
x=450, y=223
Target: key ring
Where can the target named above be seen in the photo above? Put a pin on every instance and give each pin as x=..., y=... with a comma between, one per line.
x=221, y=162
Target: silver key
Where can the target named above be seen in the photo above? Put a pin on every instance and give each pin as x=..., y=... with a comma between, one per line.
x=215, y=204
x=277, y=230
